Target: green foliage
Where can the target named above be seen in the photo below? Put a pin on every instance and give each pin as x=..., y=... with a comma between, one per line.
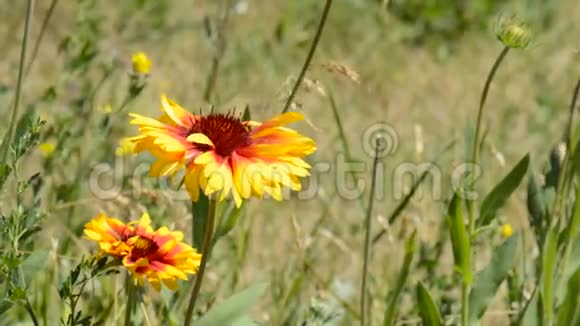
x=427, y=308
x=487, y=281
x=234, y=310
x=392, y=302
x=502, y=191
x=460, y=239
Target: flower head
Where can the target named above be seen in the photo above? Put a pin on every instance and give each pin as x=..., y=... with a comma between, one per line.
x=223, y=154
x=513, y=33
x=506, y=230
x=159, y=256
x=47, y=148
x=141, y=63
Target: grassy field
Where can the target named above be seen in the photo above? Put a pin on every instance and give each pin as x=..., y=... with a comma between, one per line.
x=413, y=79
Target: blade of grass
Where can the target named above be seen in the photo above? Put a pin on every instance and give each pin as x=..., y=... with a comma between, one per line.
x=367, y=243
x=410, y=249
x=427, y=308
x=403, y=204
x=310, y=55
x=17, y=93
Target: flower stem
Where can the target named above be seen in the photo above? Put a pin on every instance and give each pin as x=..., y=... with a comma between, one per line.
x=367, y=244
x=309, y=56
x=14, y=115
x=131, y=293
x=206, y=251
x=475, y=149
x=466, y=287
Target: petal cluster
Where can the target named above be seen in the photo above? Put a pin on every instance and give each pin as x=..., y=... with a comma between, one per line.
x=224, y=155
x=159, y=256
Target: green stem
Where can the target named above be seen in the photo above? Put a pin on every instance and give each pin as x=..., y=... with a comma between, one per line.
x=465, y=289
x=309, y=56
x=563, y=179
x=206, y=251
x=131, y=293
x=475, y=149
x=9, y=135
x=367, y=243
x=40, y=37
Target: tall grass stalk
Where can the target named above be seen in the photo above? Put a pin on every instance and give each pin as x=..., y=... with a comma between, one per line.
x=40, y=36
x=205, y=252
x=367, y=243
x=15, y=107
x=220, y=48
x=309, y=57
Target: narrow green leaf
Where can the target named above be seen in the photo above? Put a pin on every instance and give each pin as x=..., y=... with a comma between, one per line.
x=246, y=116
x=5, y=170
x=459, y=240
x=576, y=158
x=228, y=220
x=569, y=311
x=490, y=278
x=548, y=270
x=199, y=210
x=531, y=315
x=502, y=191
x=234, y=310
x=393, y=299
x=427, y=308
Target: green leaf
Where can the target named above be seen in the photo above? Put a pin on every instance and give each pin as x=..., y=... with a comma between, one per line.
x=548, y=270
x=5, y=170
x=502, y=191
x=490, y=278
x=459, y=240
x=246, y=116
x=569, y=311
x=427, y=308
x=531, y=315
x=228, y=220
x=410, y=246
x=576, y=158
x=234, y=310
x=200, y=211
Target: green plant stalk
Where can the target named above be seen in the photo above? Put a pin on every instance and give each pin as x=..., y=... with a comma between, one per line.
x=563, y=178
x=466, y=286
x=367, y=243
x=220, y=50
x=131, y=293
x=476, y=139
x=309, y=57
x=40, y=37
x=14, y=115
x=206, y=251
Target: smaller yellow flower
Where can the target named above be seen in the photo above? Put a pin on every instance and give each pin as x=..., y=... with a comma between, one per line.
x=141, y=63
x=126, y=146
x=106, y=109
x=47, y=148
x=506, y=230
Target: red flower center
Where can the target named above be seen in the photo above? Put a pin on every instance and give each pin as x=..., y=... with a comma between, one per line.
x=143, y=247
x=226, y=132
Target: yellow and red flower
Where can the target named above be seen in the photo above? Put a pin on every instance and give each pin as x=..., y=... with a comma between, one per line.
x=159, y=256
x=223, y=154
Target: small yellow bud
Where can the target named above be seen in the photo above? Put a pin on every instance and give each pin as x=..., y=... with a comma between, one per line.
x=47, y=148
x=125, y=147
x=514, y=34
x=106, y=109
x=141, y=63
x=506, y=230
